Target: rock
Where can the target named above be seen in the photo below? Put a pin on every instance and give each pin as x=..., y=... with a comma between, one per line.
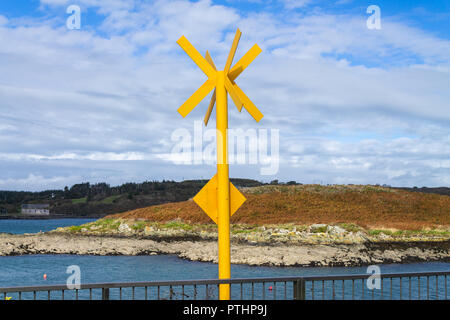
x=361, y=235
x=314, y=249
x=124, y=228
x=383, y=236
x=335, y=230
x=317, y=227
x=148, y=230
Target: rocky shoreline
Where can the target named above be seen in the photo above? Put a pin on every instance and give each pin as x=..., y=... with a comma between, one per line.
x=257, y=254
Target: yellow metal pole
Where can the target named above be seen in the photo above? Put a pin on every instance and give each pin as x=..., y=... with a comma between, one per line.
x=219, y=198
x=223, y=185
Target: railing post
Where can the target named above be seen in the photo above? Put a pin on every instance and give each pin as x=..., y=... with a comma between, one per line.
x=105, y=293
x=299, y=289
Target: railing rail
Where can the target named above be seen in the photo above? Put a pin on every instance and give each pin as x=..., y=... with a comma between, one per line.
x=300, y=287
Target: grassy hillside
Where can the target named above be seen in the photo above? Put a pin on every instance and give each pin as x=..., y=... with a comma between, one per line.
x=366, y=206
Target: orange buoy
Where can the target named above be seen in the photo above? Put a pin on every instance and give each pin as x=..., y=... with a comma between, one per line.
x=45, y=276
x=270, y=288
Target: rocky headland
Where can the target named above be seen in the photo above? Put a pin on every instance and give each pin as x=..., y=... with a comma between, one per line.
x=288, y=245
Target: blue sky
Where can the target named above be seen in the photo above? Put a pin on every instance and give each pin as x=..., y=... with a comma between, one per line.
x=432, y=16
x=352, y=105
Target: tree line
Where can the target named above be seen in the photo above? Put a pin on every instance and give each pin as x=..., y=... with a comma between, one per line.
x=101, y=198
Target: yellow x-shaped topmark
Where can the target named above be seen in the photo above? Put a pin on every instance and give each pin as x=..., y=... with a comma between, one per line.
x=206, y=64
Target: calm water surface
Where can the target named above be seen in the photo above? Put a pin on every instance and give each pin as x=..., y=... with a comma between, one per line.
x=35, y=225
x=28, y=270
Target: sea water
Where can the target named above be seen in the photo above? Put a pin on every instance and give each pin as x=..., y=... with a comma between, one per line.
x=29, y=270
x=20, y=226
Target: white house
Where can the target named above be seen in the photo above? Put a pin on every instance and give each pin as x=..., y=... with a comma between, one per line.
x=36, y=209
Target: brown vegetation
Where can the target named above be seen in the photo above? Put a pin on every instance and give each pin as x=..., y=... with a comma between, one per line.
x=366, y=206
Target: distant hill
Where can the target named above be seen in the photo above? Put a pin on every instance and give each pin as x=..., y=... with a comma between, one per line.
x=99, y=199
x=439, y=190
x=366, y=206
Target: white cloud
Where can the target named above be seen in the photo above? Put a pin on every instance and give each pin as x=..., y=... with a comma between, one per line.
x=37, y=182
x=294, y=4
x=3, y=20
x=343, y=1
x=95, y=156
x=352, y=105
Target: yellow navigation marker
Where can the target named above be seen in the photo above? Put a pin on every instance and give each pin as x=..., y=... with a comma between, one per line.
x=207, y=199
x=219, y=198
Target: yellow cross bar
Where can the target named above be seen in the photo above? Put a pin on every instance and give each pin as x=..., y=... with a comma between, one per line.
x=233, y=93
x=213, y=97
x=232, y=51
x=197, y=57
x=248, y=104
x=195, y=99
x=244, y=62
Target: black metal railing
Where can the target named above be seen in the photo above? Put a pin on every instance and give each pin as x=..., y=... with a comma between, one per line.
x=415, y=286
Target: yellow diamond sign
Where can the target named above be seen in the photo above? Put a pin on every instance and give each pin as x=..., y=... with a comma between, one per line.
x=207, y=199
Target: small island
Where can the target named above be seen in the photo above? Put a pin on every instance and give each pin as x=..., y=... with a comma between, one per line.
x=279, y=225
